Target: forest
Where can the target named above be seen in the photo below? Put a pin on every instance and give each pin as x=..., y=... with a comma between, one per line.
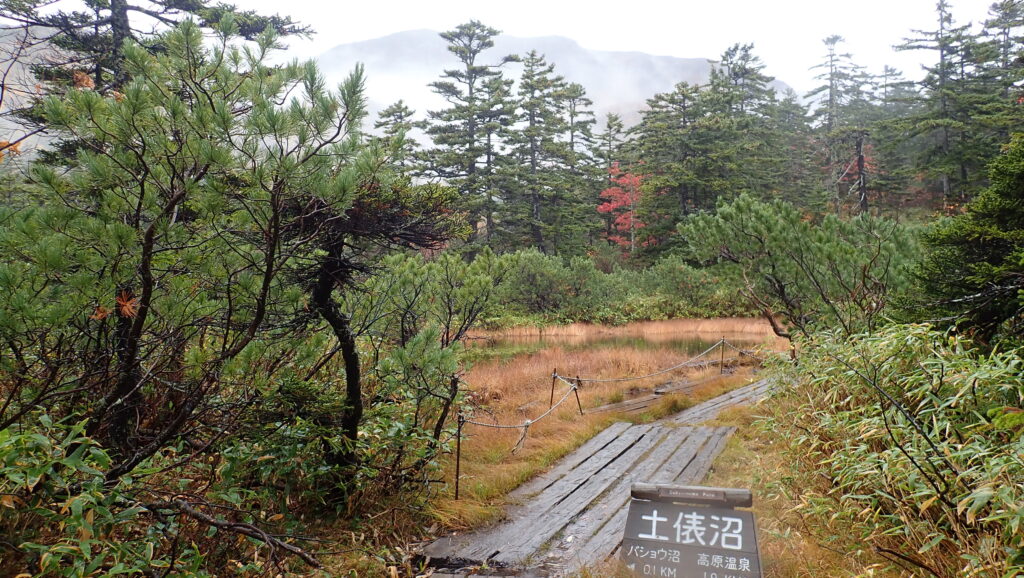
x=235, y=308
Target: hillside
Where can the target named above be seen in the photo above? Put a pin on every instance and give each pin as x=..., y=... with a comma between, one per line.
x=402, y=65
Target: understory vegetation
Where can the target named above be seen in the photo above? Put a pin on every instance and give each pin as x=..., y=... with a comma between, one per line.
x=908, y=441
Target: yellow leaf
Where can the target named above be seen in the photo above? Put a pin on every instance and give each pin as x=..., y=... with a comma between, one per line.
x=928, y=503
x=7, y=501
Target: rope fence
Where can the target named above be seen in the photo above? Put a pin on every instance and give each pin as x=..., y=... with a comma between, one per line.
x=574, y=385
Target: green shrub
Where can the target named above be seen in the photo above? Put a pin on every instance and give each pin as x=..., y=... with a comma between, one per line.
x=64, y=518
x=899, y=442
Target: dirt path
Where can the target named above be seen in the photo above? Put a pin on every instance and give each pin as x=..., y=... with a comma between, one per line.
x=573, y=515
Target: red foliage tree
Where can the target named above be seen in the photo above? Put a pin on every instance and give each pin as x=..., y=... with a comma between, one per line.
x=621, y=201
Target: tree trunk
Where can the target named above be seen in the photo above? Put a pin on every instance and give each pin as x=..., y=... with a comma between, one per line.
x=862, y=175
x=323, y=302
x=120, y=30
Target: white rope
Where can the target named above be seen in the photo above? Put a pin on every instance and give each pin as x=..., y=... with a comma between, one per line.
x=529, y=422
x=746, y=352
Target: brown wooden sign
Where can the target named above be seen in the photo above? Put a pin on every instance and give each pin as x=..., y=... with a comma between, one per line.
x=664, y=537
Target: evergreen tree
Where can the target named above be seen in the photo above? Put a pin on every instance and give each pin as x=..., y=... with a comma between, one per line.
x=540, y=156
x=896, y=99
x=947, y=156
x=582, y=176
x=458, y=132
x=698, y=145
x=843, y=112
x=498, y=111
x=974, y=268
x=796, y=178
x=92, y=34
x=395, y=122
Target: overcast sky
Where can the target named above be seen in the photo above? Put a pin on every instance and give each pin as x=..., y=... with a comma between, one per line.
x=787, y=34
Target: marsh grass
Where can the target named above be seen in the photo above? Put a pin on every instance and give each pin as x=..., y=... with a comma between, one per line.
x=653, y=330
x=518, y=388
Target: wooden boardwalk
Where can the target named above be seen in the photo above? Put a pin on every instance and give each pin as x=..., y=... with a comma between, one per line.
x=574, y=514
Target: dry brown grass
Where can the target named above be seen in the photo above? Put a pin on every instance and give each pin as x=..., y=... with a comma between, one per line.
x=513, y=390
x=670, y=329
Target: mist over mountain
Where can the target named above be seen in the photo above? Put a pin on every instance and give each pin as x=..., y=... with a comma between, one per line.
x=401, y=66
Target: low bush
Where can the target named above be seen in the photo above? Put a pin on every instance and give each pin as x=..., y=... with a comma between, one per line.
x=543, y=289
x=910, y=441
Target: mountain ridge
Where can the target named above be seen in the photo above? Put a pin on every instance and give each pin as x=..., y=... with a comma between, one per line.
x=401, y=65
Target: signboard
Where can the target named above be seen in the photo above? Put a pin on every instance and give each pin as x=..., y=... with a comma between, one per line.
x=668, y=539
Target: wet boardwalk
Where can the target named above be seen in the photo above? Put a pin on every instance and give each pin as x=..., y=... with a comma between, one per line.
x=573, y=515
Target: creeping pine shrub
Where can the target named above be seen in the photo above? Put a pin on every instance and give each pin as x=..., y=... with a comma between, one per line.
x=908, y=441
x=554, y=290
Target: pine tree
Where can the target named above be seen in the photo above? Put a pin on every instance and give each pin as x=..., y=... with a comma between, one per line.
x=395, y=122
x=460, y=139
x=92, y=34
x=206, y=225
x=540, y=155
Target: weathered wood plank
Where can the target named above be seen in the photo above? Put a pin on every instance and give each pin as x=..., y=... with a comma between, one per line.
x=526, y=540
x=569, y=462
x=698, y=469
x=595, y=539
x=711, y=408
x=683, y=456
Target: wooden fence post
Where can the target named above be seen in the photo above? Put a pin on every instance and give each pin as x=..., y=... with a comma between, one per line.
x=721, y=363
x=554, y=378
x=458, y=453
x=576, y=390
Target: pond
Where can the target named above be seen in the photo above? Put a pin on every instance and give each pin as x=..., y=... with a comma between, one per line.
x=683, y=336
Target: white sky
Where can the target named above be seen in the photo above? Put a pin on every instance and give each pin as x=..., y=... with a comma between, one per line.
x=787, y=34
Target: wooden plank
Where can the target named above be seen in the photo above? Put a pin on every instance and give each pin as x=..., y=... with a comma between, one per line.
x=711, y=408
x=683, y=456
x=590, y=524
x=522, y=542
x=566, y=464
x=698, y=469
x=627, y=405
x=546, y=513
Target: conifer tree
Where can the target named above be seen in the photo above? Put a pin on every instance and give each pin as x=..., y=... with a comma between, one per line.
x=458, y=132
x=974, y=266
x=498, y=109
x=945, y=113
x=395, y=122
x=539, y=154
x=92, y=34
x=842, y=112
